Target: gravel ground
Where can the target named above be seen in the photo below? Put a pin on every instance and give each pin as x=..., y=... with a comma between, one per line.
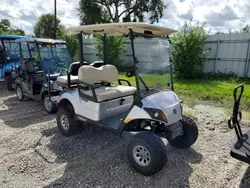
x=34, y=154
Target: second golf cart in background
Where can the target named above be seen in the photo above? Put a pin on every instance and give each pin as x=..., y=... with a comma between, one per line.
x=9, y=57
x=42, y=61
x=101, y=98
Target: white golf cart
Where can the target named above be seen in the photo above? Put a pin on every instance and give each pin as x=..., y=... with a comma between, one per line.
x=101, y=99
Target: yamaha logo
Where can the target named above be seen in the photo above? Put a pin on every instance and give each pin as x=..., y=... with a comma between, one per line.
x=174, y=111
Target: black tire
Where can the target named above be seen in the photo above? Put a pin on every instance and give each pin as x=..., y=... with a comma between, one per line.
x=68, y=112
x=52, y=108
x=9, y=81
x=190, y=134
x=19, y=93
x=155, y=150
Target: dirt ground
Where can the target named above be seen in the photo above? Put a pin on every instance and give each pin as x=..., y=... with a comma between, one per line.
x=33, y=153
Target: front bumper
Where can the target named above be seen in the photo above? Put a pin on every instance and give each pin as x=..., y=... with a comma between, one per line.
x=173, y=130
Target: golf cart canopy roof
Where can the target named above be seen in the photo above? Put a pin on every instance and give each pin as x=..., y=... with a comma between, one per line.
x=120, y=29
x=11, y=36
x=40, y=40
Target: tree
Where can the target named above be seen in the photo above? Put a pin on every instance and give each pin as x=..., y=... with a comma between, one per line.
x=5, y=24
x=189, y=50
x=246, y=29
x=115, y=10
x=115, y=47
x=91, y=13
x=44, y=28
x=72, y=44
x=5, y=28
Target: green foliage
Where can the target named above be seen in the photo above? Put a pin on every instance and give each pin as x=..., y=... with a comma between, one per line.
x=44, y=28
x=189, y=51
x=245, y=29
x=92, y=11
x=115, y=47
x=5, y=28
x=72, y=44
x=225, y=77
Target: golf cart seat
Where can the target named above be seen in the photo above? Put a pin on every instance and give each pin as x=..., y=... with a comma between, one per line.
x=32, y=66
x=89, y=75
x=73, y=74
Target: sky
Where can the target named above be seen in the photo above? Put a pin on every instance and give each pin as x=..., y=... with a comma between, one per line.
x=220, y=15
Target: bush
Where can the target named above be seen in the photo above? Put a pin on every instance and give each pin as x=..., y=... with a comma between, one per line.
x=115, y=48
x=189, y=51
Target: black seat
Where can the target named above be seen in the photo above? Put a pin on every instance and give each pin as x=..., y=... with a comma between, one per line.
x=33, y=67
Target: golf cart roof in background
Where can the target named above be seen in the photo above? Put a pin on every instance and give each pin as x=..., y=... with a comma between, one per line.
x=120, y=29
x=11, y=37
x=40, y=40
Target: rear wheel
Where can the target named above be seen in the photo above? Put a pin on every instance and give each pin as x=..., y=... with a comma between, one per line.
x=9, y=82
x=49, y=105
x=147, y=153
x=66, y=122
x=190, y=135
x=19, y=93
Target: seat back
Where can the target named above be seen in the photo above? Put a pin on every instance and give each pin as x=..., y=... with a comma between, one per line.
x=91, y=75
x=74, y=67
x=32, y=66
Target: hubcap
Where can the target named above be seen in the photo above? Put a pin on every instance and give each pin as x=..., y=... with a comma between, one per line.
x=19, y=93
x=47, y=104
x=64, y=122
x=141, y=156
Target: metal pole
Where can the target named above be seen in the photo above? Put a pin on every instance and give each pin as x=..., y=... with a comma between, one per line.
x=105, y=48
x=138, y=97
x=247, y=61
x=81, y=48
x=171, y=66
x=55, y=21
x=216, y=55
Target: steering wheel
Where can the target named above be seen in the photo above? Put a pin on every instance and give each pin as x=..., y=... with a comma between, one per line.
x=130, y=73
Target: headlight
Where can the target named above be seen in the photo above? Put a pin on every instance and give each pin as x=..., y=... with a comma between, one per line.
x=156, y=114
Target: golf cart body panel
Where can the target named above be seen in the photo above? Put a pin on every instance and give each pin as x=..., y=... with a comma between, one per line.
x=97, y=111
x=168, y=102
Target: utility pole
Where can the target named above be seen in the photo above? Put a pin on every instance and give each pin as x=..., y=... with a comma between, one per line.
x=55, y=21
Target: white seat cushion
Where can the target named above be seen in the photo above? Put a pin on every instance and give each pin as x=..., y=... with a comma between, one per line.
x=92, y=75
x=64, y=79
x=112, y=92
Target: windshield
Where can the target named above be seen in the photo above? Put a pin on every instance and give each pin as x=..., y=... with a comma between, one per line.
x=11, y=49
x=153, y=57
x=56, y=57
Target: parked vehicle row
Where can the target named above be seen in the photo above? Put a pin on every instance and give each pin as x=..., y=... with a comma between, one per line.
x=93, y=93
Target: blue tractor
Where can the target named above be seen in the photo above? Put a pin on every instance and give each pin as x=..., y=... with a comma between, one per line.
x=9, y=58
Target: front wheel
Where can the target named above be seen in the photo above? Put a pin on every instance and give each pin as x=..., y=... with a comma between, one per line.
x=147, y=153
x=189, y=136
x=19, y=93
x=66, y=122
x=49, y=105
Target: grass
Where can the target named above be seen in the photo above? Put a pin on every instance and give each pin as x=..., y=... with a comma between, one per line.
x=217, y=92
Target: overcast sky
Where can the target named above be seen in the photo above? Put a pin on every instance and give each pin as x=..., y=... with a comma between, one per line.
x=220, y=15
